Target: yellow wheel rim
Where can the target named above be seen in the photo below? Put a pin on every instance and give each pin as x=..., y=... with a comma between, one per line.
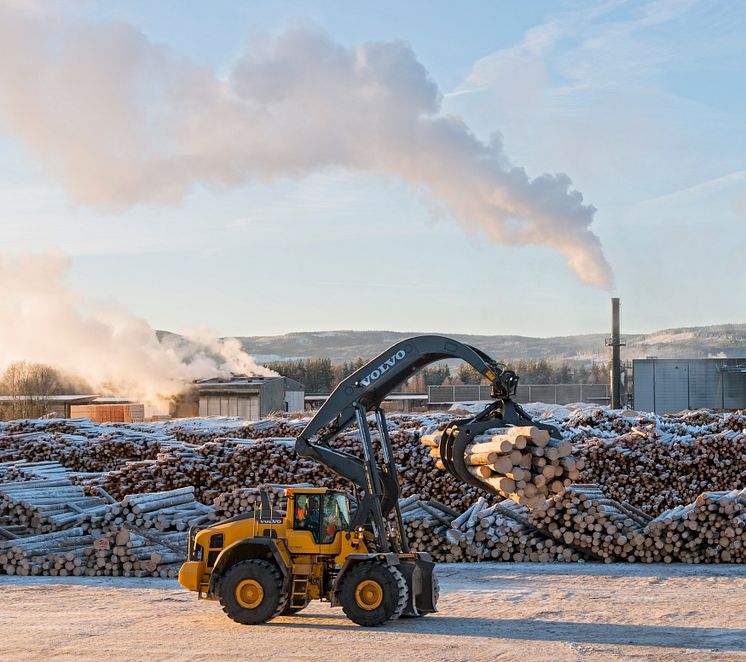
x=368, y=594
x=249, y=593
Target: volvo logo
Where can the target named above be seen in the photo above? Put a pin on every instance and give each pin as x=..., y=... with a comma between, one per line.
x=384, y=367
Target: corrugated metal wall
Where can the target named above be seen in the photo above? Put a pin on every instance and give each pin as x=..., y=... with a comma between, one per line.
x=295, y=400
x=243, y=407
x=670, y=385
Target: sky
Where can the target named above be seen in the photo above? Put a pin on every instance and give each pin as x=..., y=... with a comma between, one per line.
x=640, y=104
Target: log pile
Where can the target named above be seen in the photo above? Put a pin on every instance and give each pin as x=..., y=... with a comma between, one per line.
x=583, y=517
x=657, y=470
x=47, y=504
x=711, y=529
x=143, y=535
x=243, y=500
x=521, y=463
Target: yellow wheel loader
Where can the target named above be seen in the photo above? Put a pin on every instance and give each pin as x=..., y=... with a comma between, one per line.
x=348, y=550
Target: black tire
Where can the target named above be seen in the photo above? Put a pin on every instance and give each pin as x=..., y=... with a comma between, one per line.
x=389, y=588
x=269, y=603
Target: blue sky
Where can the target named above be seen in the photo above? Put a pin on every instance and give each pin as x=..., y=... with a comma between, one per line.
x=641, y=104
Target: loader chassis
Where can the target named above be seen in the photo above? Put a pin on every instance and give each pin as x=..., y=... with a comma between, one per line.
x=267, y=563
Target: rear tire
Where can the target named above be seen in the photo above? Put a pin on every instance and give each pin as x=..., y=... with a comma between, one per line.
x=373, y=593
x=251, y=592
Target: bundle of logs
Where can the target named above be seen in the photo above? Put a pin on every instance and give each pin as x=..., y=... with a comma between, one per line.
x=521, y=463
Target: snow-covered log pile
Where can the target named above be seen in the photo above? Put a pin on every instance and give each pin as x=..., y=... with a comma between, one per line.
x=658, y=462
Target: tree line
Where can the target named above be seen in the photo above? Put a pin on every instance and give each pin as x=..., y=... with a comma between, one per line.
x=321, y=375
x=29, y=387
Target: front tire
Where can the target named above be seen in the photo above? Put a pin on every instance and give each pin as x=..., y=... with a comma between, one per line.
x=251, y=592
x=373, y=593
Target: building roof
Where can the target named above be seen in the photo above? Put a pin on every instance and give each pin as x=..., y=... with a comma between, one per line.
x=236, y=380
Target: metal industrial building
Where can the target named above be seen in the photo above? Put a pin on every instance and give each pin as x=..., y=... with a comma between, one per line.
x=670, y=385
x=248, y=397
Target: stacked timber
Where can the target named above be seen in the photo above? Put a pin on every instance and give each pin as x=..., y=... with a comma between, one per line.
x=174, y=510
x=711, y=529
x=581, y=516
x=521, y=463
x=425, y=523
x=244, y=500
x=132, y=552
x=503, y=532
x=656, y=470
x=47, y=504
x=57, y=553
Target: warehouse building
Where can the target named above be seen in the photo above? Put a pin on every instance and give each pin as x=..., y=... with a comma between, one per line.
x=248, y=397
x=671, y=385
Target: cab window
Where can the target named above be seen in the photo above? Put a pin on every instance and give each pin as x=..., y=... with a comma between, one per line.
x=321, y=514
x=308, y=513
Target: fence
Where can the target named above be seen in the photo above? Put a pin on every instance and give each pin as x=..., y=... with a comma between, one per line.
x=559, y=394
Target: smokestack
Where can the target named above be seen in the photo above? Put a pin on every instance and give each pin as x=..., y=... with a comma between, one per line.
x=616, y=364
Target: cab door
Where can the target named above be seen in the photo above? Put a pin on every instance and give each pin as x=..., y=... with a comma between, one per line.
x=313, y=531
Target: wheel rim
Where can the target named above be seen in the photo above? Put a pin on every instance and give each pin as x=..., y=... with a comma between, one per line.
x=249, y=593
x=368, y=594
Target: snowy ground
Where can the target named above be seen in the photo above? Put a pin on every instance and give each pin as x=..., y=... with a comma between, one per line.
x=487, y=612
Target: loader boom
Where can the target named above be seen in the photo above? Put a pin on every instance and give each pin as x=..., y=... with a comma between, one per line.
x=364, y=391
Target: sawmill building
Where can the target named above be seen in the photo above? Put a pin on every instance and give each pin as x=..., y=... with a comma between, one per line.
x=248, y=397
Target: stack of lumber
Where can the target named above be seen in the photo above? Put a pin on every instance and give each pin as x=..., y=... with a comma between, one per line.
x=425, y=523
x=483, y=532
x=131, y=552
x=521, y=463
x=175, y=510
x=657, y=470
x=200, y=431
x=50, y=527
x=104, y=452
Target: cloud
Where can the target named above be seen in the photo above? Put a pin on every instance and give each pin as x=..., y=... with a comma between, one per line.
x=121, y=121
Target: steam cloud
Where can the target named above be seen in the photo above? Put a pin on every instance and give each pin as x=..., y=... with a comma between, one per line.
x=112, y=350
x=122, y=121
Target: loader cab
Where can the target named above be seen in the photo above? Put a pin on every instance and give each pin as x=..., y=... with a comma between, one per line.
x=315, y=516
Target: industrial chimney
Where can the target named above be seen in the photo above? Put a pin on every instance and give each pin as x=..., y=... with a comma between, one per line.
x=615, y=343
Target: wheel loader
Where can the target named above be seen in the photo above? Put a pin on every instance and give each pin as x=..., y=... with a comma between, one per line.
x=349, y=550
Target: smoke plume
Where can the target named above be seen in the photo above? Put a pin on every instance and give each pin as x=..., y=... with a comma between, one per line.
x=112, y=350
x=123, y=121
